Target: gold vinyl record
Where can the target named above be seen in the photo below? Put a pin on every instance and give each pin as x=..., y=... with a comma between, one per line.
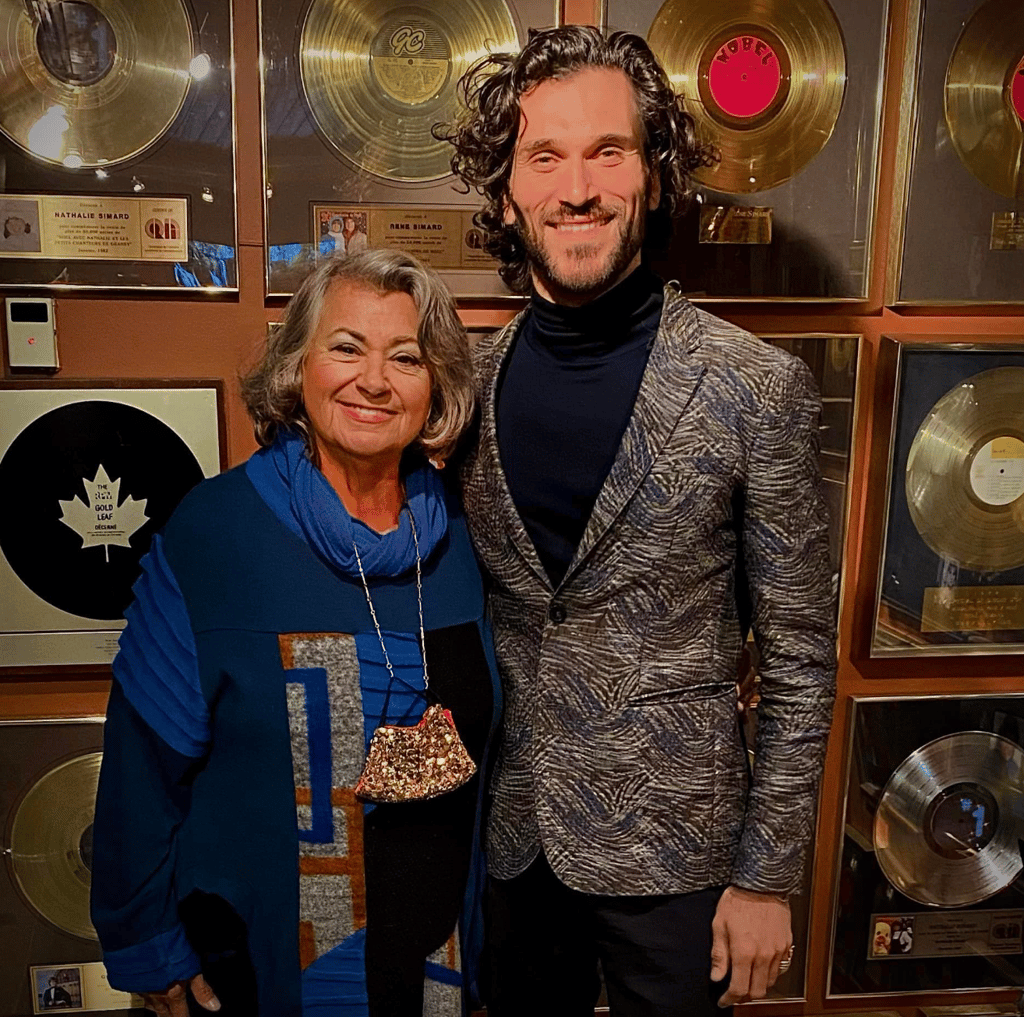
x=764, y=80
x=984, y=97
x=948, y=821
x=51, y=843
x=92, y=83
x=378, y=74
x=965, y=473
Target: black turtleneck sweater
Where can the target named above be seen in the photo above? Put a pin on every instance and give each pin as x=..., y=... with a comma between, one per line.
x=564, y=400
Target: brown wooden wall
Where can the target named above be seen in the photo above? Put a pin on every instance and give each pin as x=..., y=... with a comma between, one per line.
x=142, y=337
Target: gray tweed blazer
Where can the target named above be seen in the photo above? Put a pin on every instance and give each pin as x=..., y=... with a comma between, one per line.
x=620, y=755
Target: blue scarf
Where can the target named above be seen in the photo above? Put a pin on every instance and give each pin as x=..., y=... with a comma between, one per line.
x=301, y=497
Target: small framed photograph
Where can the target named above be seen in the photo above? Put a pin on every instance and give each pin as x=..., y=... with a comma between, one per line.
x=57, y=988
x=77, y=988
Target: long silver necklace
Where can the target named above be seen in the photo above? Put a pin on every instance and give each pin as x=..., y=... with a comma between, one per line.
x=419, y=603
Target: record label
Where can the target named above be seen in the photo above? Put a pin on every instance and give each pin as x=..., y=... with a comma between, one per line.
x=88, y=483
x=410, y=60
x=744, y=77
x=84, y=52
x=997, y=471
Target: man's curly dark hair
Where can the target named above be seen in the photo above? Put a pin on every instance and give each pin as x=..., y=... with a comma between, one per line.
x=484, y=137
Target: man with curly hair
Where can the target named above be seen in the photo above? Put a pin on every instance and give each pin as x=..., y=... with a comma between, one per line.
x=645, y=490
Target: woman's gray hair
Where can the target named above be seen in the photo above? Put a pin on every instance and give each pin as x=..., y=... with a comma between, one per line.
x=272, y=391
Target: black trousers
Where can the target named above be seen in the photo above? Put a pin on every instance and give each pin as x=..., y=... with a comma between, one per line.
x=546, y=945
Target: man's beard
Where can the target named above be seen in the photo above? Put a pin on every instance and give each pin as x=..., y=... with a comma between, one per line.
x=592, y=275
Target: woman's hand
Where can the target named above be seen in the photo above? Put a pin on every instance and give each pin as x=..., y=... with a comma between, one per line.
x=173, y=1002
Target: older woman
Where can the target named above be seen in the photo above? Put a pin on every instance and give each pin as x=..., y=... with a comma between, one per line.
x=290, y=608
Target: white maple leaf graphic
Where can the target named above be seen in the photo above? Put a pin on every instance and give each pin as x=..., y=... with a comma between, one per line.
x=101, y=520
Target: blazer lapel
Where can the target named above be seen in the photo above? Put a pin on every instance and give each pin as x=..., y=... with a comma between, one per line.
x=487, y=484
x=669, y=381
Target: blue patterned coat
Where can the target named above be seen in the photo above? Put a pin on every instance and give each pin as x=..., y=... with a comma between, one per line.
x=621, y=754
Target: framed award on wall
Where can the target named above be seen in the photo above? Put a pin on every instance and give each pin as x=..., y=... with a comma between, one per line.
x=117, y=145
x=929, y=892
x=960, y=172
x=98, y=469
x=52, y=957
x=789, y=96
x=351, y=94
x=951, y=575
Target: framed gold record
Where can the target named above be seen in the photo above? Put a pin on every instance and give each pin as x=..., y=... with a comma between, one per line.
x=117, y=140
x=47, y=801
x=951, y=574
x=751, y=72
x=351, y=92
x=789, y=94
x=961, y=134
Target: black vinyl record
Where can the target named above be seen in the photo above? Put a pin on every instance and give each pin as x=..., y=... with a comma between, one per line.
x=88, y=484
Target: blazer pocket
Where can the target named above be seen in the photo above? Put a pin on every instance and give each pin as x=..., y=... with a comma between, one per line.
x=687, y=694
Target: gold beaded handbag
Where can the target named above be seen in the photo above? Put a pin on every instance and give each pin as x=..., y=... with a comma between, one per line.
x=415, y=762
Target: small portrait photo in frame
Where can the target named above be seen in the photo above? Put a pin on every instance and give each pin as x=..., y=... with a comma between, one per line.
x=56, y=988
x=341, y=230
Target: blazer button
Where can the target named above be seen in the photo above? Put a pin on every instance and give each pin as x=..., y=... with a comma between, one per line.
x=557, y=612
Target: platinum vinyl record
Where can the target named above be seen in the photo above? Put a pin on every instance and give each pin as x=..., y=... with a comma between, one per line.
x=944, y=832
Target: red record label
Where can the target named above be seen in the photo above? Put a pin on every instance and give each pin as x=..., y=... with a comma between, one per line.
x=744, y=77
x=1017, y=89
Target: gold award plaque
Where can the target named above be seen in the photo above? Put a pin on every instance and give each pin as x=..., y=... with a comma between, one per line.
x=75, y=227
x=1007, y=232
x=972, y=608
x=735, y=224
x=443, y=238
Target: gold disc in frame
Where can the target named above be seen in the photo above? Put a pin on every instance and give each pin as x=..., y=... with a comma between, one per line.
x=984, y=97
x=965, y=473
x=378, y=74
x=943, y=832
x=764, y=80
x=51, y=843
x=96, y=84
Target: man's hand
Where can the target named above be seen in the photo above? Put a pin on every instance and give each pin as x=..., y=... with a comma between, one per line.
x=746, y=677
x=172, y=1002
x=751, y=934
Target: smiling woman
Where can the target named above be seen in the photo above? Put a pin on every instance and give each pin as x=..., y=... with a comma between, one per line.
x=291, y=608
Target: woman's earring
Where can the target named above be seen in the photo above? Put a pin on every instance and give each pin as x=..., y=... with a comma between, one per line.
x=437, y=463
